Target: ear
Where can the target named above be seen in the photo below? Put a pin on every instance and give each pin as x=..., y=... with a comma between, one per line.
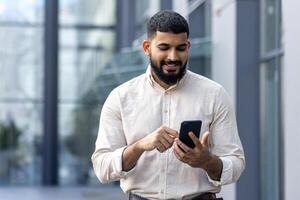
x=146, y=47
x=189, y=44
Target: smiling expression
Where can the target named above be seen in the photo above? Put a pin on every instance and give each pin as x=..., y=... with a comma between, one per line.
x=168, y=54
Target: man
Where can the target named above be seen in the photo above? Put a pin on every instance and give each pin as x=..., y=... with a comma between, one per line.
x=138, y=141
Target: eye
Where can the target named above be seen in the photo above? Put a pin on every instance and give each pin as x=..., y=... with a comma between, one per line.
x=181, y=48
x=163, y=48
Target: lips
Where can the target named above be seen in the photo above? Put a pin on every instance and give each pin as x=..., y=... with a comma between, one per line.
x=170, y=67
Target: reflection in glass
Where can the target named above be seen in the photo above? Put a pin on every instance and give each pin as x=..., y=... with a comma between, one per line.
x=86, y=45
x=20, y=148
x=270, y=130
x=25, y=11
x=270, y=25
x=270, y=116
x=96, y=12
x=89, y=69
x=21, y=78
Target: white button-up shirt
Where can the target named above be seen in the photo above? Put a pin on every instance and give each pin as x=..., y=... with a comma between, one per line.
x=140, y=106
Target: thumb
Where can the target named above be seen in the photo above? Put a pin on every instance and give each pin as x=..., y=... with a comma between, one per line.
x=205, y=139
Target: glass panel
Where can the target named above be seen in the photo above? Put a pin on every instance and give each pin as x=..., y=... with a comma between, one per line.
x=21, y=88
x=97, y=12
x=200, y=56
x=80, y=107
x=21, y=77
x=84, y=53
x=270, y=101
x=28, y=11
x=20, y=142
x=78, y=129
x=200, y=33
x=141, y=17
x=270, y=130
x=208, y=18
x=270, y=25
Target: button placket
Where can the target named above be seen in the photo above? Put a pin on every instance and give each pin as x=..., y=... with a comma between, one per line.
x=167, y=102
x=162, y=177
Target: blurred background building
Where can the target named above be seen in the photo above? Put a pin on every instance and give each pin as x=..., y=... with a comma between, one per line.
x=59, y=60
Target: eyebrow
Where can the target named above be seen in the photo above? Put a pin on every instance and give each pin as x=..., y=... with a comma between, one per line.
x=166, y=45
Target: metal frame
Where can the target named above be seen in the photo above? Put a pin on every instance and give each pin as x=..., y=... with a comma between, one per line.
x=61, y=26
x=50, y=140
x=166, y=4
x=247, y=97
x=125, y=24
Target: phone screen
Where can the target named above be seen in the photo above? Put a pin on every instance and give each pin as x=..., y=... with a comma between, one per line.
x=189, y=126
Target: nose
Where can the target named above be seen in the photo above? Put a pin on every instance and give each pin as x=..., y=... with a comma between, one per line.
x=172, y=55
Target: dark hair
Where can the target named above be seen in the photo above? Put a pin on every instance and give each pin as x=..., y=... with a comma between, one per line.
x=167, y=21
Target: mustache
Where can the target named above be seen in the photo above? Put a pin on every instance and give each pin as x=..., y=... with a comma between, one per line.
x=171, y=62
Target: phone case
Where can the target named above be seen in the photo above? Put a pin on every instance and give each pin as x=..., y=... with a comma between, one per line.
x=189, y=126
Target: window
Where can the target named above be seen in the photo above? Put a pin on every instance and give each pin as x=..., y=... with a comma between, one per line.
x=89, y=68
x=270, y=100
x=87, y=43
x=21, y=90
x=200, y=37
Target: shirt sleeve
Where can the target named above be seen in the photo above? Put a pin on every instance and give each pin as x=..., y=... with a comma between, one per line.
x=226, y=172
x=110, y=143
x=224, y=140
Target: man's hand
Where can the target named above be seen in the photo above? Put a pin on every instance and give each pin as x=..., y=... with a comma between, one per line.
x=199, y=157
x=161, y=139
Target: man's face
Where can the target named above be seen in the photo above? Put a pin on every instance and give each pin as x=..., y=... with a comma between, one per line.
x=168, y=54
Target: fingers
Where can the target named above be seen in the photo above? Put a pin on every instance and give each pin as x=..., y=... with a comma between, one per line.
x=167, y=142
x=193, y=157
x=183, y=147
x=164, y=138
x=195, y=140
x=160, y=147
x=170, y=131
x=163, y=141
x=179, y=153
x=205, y=139
x=183, y=156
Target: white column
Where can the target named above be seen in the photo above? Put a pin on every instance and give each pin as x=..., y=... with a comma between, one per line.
x=154, y=7
x=224, y=56
x=291, y=97
x=224, y=43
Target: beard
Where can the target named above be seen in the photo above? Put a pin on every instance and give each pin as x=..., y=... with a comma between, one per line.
x=170, y=78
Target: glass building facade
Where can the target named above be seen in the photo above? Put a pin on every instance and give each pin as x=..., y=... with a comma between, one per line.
x=21, y=91
x=91, y=62
x=98, y=49
x=270, y=101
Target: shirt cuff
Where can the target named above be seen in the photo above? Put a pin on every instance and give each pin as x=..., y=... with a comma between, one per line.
x=226, y=175
x=117, y=163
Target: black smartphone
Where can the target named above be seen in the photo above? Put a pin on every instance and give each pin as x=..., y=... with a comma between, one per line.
x=189, y=126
